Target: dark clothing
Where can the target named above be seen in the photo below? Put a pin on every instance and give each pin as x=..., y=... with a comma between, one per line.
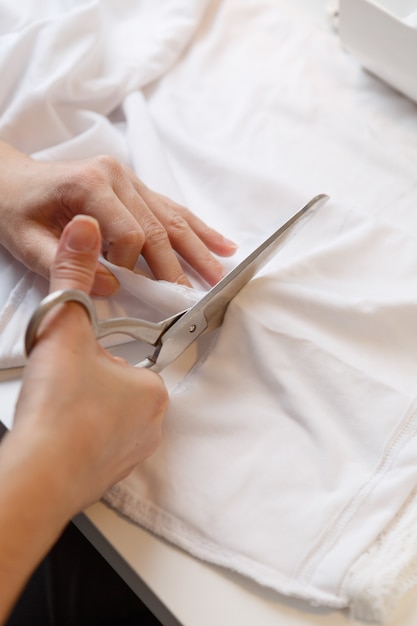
x=75, y=586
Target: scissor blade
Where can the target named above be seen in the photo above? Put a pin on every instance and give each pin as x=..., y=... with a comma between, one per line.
x=208, y=313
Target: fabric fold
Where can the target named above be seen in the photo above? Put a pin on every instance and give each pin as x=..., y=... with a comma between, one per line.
x=299, y=428
x=289, y=450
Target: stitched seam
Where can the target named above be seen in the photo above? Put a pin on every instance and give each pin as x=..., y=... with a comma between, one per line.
x=403, y=433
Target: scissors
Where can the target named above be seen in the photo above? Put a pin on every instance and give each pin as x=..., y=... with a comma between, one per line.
x=172, y=336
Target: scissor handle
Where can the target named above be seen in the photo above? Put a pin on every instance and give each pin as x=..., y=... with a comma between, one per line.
x=48, y=303
x=149, y=332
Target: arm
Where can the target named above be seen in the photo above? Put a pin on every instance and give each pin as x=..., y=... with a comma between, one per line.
x=83, y=420
x=39, y=198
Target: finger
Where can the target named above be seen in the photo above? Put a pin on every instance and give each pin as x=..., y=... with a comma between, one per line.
x=131, y=228
x=76, y=258
x=38, y=247
x=155, y=246
x=104, y=191
x=160, y=255
x=190, y=247
x=124, y=237
x=105, y=283
x=74, y=267
x=122, y=233
x=189, y=236
x=185, y=234
x=214, y=240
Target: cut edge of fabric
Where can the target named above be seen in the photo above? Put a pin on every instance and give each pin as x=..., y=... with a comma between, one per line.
x=381, y=576
x=163, y=524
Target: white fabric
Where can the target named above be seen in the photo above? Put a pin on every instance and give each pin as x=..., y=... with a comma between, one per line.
x=290, y=449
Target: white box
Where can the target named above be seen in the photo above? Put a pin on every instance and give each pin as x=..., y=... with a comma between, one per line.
x=382, y=34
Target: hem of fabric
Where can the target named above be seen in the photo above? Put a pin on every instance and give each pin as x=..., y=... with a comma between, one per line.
x=175, y=531
x=387, y=570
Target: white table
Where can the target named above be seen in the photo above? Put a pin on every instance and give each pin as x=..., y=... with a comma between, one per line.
x=178, y=588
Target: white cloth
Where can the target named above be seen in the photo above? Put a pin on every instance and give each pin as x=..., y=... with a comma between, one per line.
x=290, y=449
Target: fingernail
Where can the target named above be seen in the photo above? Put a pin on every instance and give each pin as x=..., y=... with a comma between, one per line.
x=230, y=243
x=81, y=234
x=183, y=280
x=105, y=284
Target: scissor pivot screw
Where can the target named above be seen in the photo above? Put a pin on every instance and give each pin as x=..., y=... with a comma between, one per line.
x=192, y=328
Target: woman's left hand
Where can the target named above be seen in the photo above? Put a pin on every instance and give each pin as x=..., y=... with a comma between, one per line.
x=40, y=198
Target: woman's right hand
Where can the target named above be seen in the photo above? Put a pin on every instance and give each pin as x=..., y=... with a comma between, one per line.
x=90, y=416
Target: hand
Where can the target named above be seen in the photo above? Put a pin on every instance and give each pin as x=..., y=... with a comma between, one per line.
x=40, y=198
x=90, y=416
x=83, y=421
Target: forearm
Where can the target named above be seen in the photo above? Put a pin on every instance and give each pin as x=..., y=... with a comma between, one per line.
x=32, y=513
x=83, y=421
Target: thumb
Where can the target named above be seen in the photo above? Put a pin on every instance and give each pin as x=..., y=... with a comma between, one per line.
x=76, y=258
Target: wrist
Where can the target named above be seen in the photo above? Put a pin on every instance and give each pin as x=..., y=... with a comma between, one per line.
x=33, y=469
